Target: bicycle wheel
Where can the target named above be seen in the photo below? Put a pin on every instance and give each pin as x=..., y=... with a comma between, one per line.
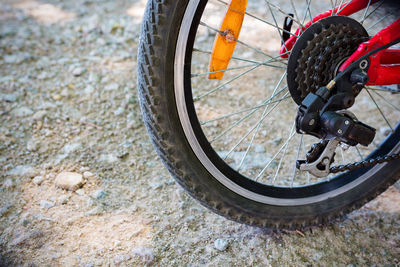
x=232, y=143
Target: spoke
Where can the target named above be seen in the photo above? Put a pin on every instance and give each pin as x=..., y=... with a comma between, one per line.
x=273, y=158
x=387, y=101
x=294, y=10
x=373, y=25
x=244, y=110
x=229, y=81
x=251, y=129
x=247, y=60
x=365, y=12
x=384, y=89
x=283, y=154
x=341, y=8
x=295, y=163
x=280, y=34
x=380, y=4
x=258, y=125
x=262, y=20
x=333, y=7
x=238, y=122
x=377, y=106
x=284, y=13
x=238, y=41
x=225, y=83
x=308, y=174
x=234, y=68
x=359, y=153
x=309, y=11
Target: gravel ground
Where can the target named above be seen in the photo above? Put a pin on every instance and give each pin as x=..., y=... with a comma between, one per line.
x=69, y=104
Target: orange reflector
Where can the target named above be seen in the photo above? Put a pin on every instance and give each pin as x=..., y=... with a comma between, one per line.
x=225, y=41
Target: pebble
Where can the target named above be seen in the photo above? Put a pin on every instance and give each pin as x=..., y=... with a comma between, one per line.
x=94, y=211
x=23, y=171
x=111, y=87
x=46, y=204
x=109, y=158
x=87, y=174
x=385, y=130
x=80, y=192
x=9, y=97
x=99, y=194
x=221, y=244
x=17, y=58
x=69, y=180
x=63, y=199
x=8, y=183
x=22, y=112
x=120, y=259
x=119, y=111
x=145, y=253
x=78, y=71
x=32, y=146
x=38, y=180
x=4, y=209
x=39, y=115
x=69, y=148
x=259, y=148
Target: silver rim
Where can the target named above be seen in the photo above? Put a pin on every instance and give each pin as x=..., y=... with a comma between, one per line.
x=191, y=137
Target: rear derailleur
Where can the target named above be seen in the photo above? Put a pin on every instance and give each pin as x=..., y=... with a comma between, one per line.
x=323, y=114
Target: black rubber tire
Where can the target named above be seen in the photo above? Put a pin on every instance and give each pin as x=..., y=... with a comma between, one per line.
x=159, y=33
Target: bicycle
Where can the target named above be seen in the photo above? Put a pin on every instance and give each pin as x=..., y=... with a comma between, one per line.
x=274, y=113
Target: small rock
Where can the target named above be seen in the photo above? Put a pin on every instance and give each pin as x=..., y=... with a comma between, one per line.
x=80, y=192
x=43, y=75
x=39, y=115
x=44, y=204
x=120, y=259
x=94, y=211
x=8, y=183
x=38, y=180
x=69, y=180
x=4, y=209
x=145, y=253
x=9, y=97
x=87, y=174
x=155, y=185
x=63, y=199
x=221, y=244
x=119, y=111
x=259, y=148
x=99, y=194
x=109, y=158
x=111, y=87
x=32, y=146
x=78, y=71
x=22, y=112
x=69, y=148
x=23, y=171
x=88, y=90
x=56, y=97
x=385, y=130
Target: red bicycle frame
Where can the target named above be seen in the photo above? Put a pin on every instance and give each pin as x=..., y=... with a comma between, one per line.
x=384, y=68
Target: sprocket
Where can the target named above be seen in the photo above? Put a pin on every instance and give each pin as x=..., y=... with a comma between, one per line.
x=318, y=53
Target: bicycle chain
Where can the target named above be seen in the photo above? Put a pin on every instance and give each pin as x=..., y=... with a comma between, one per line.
x=364, y=163
x=321, y=57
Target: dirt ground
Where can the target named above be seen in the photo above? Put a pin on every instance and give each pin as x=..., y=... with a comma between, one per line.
x=68, y=102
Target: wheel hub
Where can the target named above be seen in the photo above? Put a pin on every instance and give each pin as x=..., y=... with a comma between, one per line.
x=318, y=53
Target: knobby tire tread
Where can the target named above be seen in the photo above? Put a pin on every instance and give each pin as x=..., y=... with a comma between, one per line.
x=170, y=143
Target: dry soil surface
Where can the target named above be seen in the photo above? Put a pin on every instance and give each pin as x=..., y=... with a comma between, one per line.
x=69, y=103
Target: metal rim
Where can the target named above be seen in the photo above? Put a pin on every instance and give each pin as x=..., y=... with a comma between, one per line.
x=182, y=108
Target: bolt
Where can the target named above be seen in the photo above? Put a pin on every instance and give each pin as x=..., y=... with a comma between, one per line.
x=363, y=64
x=340, y=131
x=311, y=122
x=325, y=161
x=346, y=122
